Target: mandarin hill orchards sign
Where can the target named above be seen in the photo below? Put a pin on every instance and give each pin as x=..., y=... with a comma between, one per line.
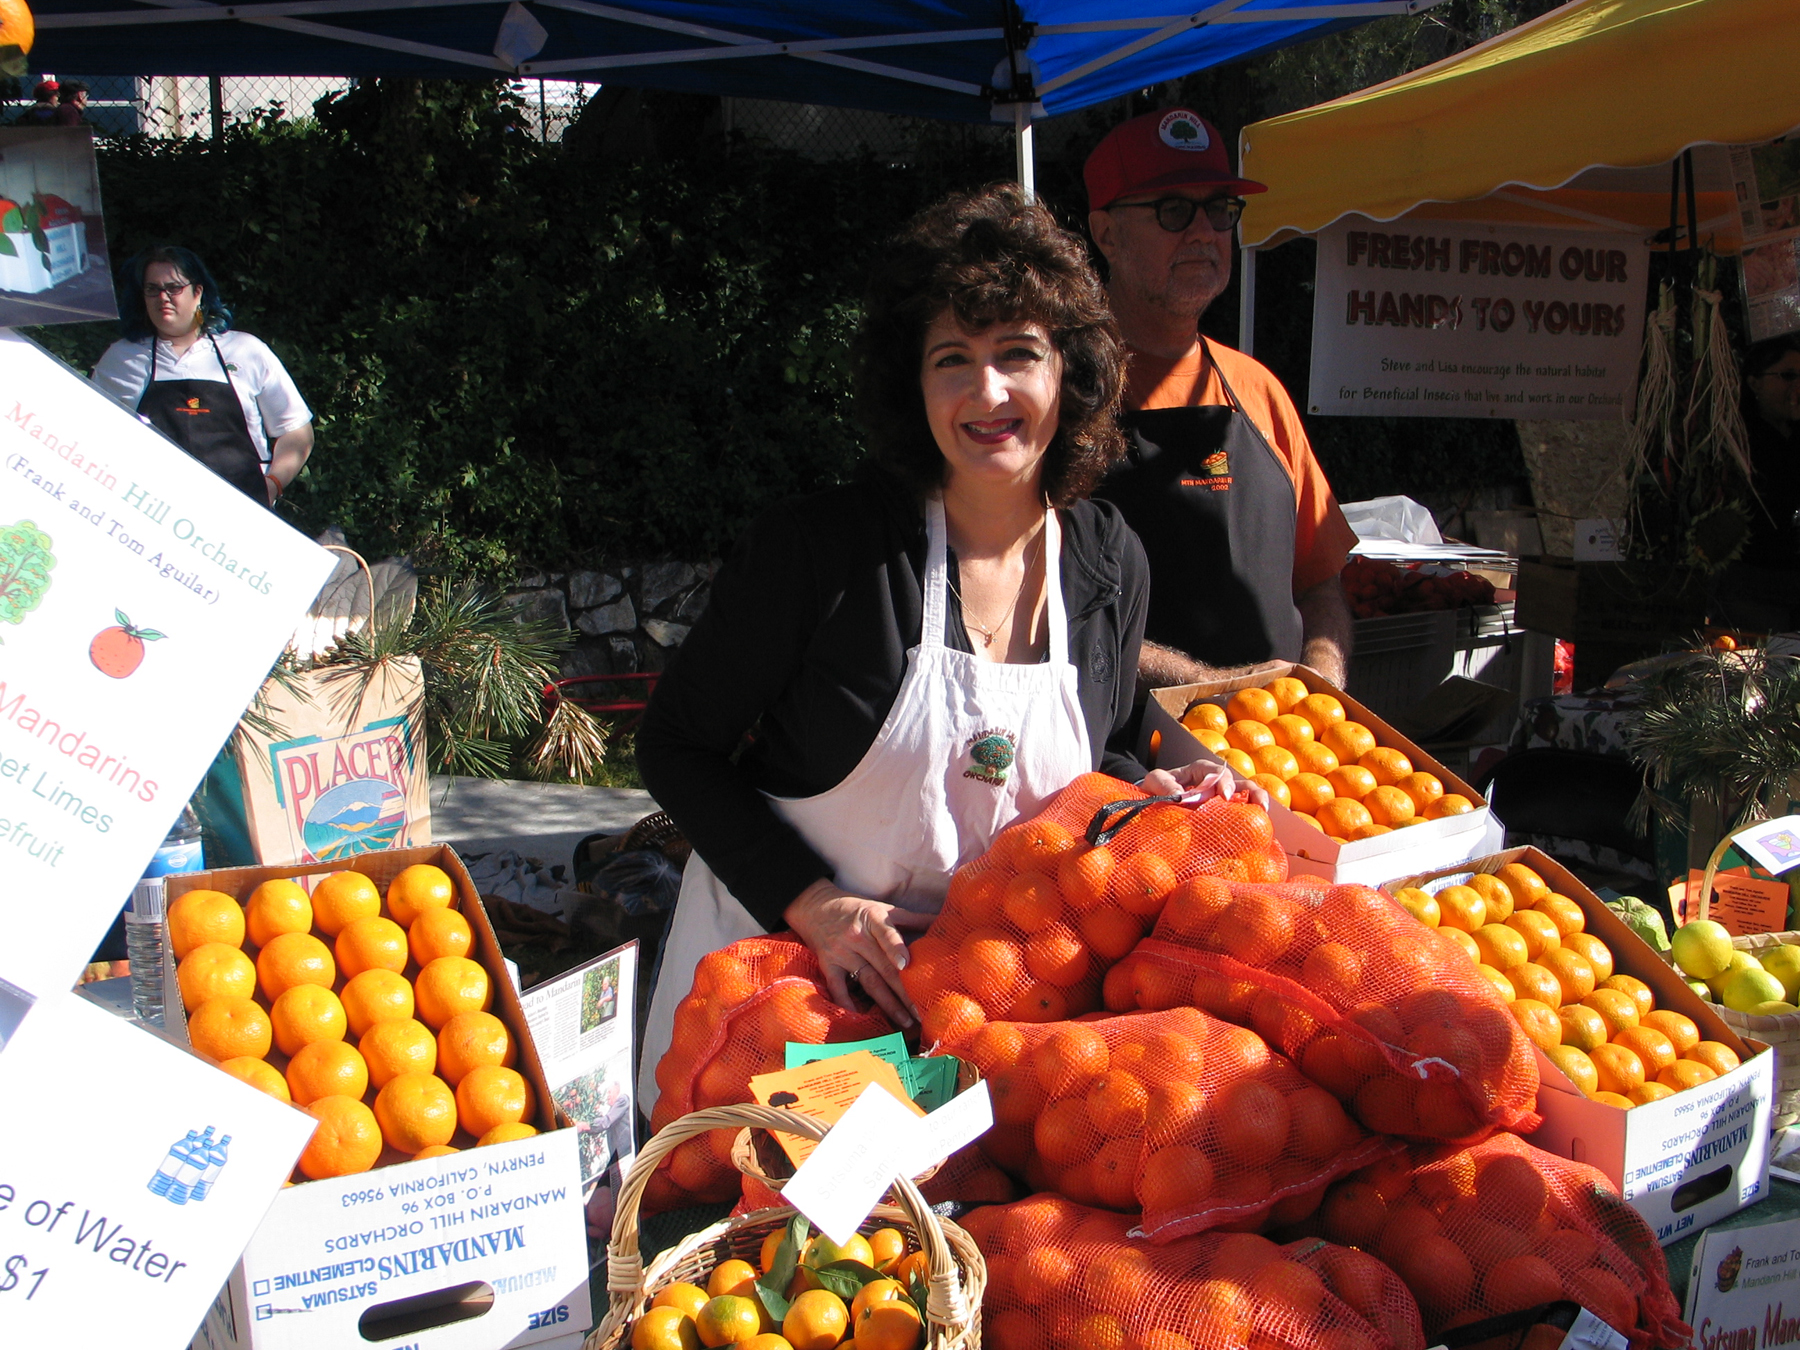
x=1443, y=319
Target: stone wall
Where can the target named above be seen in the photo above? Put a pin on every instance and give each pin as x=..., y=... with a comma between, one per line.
x=625, y=619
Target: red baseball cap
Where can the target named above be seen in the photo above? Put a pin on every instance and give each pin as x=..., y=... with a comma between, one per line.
x=1176, y=147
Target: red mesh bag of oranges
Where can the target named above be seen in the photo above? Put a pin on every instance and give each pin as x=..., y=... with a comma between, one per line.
x=1503, y=1226
x=1309, y=755
x=1060, y=1274
x=1384, y=1012
x=748, y=1001
x=1191, y=1121
x=1030, y=928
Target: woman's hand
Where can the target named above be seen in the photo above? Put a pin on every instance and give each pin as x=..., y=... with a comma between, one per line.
x=857, y=939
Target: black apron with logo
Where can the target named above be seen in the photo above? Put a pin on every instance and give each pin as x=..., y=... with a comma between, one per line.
x=1216, y=509
x=205, y=418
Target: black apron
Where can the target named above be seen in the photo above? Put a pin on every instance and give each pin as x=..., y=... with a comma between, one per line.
x=1216, y=509
x=205, y=419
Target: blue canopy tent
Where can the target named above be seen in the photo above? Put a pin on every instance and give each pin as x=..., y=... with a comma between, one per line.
x=962, y=60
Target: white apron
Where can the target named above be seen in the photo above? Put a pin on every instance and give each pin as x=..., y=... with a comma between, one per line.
x=974, y=744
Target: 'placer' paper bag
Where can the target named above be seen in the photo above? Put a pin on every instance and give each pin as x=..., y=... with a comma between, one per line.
x=346, y=773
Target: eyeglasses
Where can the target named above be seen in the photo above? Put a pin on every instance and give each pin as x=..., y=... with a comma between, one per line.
x=1175, y=214
x=170, y=289
x=1786, y=376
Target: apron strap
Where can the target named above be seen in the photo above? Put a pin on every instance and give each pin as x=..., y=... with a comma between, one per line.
x=1056, y=613
x=937, y=575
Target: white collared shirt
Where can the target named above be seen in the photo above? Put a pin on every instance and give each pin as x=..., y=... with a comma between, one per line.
x=270, y=399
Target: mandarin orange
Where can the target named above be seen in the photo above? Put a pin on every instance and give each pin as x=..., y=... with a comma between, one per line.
x=274, y=908
x=200, y=917
x=342, y=898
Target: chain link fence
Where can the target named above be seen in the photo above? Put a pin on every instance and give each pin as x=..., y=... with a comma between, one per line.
x=171, y=106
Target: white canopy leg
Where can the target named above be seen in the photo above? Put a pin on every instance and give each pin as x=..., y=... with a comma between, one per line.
x=1022, y=148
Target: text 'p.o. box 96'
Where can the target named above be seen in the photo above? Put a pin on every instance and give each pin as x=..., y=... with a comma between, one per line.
x=142, y=601
x=131, y=1176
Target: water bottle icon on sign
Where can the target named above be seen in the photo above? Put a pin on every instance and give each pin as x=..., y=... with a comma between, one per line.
x=215, y=1163
x=183, y=1173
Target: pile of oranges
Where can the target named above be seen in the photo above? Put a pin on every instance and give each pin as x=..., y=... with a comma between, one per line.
x=1499, y=1227
x=1030, y=928
x=1302, y=749
x=867, y=1294
x=1063, y=1275
x=1190, y=1120
x=370, y=1016
x=1601, y=1028
x=747, y=1002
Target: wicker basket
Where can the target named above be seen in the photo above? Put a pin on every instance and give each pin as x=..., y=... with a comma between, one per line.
x=958, y=1271
x=1781, y=1033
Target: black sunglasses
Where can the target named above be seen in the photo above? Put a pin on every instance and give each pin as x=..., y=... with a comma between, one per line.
x=1175, y=214
x=170, y=289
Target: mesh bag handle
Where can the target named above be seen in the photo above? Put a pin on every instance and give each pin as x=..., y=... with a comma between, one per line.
x=946, y=1305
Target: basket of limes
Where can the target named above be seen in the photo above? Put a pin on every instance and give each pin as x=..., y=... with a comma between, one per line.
x=1754, y=981
x=761, y=1281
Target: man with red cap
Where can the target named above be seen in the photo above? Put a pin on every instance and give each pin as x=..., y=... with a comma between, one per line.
x=1244, y=538
x=42, y=113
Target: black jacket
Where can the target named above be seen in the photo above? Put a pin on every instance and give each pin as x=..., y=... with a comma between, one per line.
x=803, y=645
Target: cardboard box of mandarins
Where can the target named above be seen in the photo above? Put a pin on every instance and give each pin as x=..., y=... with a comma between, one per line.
x=447, y=1243
x=1412, y=848
x=1684, y=1161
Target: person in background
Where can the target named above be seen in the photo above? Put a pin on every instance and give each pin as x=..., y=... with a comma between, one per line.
x=71, y=104
x=1769, y=572
x=1244, y=536
x=42, y=112
x=927, y=654
x=220, y=394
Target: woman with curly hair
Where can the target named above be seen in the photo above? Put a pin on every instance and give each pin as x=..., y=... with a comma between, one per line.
x=925, y=655
x=219, y=394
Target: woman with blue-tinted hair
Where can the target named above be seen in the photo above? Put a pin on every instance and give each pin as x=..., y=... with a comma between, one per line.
x=219, y=394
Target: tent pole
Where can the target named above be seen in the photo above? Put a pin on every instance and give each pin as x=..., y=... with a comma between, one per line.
x=1024, y=154
x=1247, y=302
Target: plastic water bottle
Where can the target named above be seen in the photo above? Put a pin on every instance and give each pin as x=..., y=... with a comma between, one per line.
x=180, y=851
x=215, y=1163
x=164, y=1182
x=144, y=948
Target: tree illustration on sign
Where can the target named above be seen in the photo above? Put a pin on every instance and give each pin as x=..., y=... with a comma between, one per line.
x=1184, y=131
x=119, y=650
x=25, y=563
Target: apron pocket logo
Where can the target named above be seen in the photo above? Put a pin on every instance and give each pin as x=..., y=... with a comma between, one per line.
x=991, y=755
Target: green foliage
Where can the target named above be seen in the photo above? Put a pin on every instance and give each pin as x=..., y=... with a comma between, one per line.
x=25, y=563
x=1721, y=728
x=516, y=355
x=485, y=674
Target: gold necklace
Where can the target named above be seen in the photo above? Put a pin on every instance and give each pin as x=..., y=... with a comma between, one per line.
x=988, y=634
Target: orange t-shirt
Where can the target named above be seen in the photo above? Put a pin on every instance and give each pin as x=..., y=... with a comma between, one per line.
x=1322, y=537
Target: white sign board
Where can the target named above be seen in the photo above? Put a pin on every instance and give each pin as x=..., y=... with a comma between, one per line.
x=1744, y=1286
x=111, y=1230
x=1441, y=319
x=142, y=601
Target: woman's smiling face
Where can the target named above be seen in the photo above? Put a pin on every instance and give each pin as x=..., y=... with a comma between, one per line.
x=992, y=398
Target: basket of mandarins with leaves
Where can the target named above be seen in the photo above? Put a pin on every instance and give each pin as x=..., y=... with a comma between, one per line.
x=908, y=1280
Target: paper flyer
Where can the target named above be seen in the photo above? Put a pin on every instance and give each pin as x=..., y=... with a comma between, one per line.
x=1766, y=179
x=106, y=1203
x=1775, y=844
x=142, y=601
x=581, y=1022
